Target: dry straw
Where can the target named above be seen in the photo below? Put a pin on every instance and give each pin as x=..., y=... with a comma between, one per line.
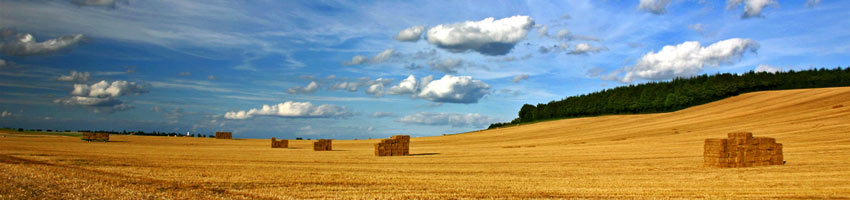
x=397, y=145
x=223, y=135
x=280, y=143
x=741, y=149
x=103, y=137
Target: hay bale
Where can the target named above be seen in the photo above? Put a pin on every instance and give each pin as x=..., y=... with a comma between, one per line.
x=397, y=145
x=741, y=149
x=224, y=135
x=322, y=145
x=280, y=143
x=98, y=137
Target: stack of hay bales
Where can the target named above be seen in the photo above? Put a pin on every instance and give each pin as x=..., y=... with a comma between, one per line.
x=223, y=135
x=322, y=145
x=397, y=145
x=280, y=143
x=102, y=137
x=741, y=149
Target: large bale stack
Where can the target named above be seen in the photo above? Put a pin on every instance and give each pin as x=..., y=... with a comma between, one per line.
x=280, y=143
x=223, y=135
x=322, y=145
x=102, y=137
x=397, y=145
x=741, y=149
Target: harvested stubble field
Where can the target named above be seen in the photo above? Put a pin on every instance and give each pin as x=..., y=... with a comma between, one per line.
x=624, y=156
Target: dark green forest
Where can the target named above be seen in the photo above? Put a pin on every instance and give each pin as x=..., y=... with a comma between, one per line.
x=679, y=93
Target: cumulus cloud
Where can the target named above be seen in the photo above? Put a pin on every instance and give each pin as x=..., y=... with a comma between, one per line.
x=687, y=59
x=448, y=89
x=379, y=58
x=5, y=114
x=448, y=65
x=565, y=34
x=309, y=89
x=454, y=89
x=657, y=7
x=383, y=114
x=752, y=8
x=767, y=68
x=452, y=119
x=353, y=86
x=80, y=77
x=520, y=77
x=585, y=48
x=411, y=34
x=103, y=96
x=291, y=109
x=105, y=89
x=812, y=3
x=376, y=87
x=24, y=44
x=488, y=37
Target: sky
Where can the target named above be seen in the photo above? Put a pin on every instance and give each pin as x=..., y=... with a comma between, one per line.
x=372, y=69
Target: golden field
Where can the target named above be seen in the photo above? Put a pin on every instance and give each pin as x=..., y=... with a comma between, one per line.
x=623, y=156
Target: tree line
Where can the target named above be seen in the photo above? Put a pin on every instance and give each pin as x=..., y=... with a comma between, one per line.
x=679, y=93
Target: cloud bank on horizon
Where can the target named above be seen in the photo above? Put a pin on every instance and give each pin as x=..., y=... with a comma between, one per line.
x=373, y=69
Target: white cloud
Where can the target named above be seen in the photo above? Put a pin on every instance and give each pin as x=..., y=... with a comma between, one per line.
x=454, y=89
x=488, y=36
x=752, y=8
x=383, y=114
x=448, y=65
x=687, y=59
x=5, y=114
x=448, y=89
x=657, y=7
x=103, y=96
x=211, y=77
x=293, y=110
x=520, y=77
x=411, y=34
x=105, y=89
x=2, y=63
x=812, y=3
x=442, y=119
x=379, y=58
x=376, y=87
x=184, y=74
x=80, y=77
x=309, y=89
x=767, y=68
x=406, y=86
x=373, y=87
x=697, y=27
x=585, y=48
x=24, y=44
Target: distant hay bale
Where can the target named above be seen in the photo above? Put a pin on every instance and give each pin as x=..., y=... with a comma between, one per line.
x=322, y=145
x=397, y=145
x=741, y=149
x=280, y=143
x=223, y=135
x=98, y=137
x=837, y=106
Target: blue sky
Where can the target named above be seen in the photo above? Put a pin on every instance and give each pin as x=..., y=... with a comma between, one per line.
x=327, y=69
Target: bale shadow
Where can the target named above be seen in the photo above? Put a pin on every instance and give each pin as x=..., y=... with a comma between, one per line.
x=424, y=154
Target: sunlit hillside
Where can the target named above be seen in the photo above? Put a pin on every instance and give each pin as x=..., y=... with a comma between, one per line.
x=618, y=156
